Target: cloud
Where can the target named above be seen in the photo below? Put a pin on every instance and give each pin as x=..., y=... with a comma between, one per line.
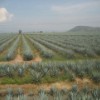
x=5, y=15
x=75, y=8
x=84, y=13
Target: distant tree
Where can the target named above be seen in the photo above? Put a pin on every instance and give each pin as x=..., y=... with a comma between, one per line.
x=41, y=31
x=20, y=31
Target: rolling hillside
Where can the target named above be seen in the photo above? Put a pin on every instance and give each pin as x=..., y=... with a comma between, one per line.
x=84, y=30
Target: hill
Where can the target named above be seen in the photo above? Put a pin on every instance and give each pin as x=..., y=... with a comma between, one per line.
x=84, y=30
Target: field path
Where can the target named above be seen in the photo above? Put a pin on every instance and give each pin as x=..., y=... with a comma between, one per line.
x=59, y=85
x=37, y=59
x=18, y=57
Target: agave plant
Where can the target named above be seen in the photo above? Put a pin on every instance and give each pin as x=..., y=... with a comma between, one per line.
x=54, y=71
x=64, y=91
x=9, y=71
x=9, y=94
x=96, y=94
x=8, y=97
x=12, y=50
x=45, y=52
x=58, y=96
x=74, y=89
x=20, y=92
x=66, y=52
x=20, y=72
x=36, y=76
x=42, y=96
x=53, y=90
x=8, y=41
x=96, y=77
x=10, y=91
x=27, y=52
x=22, y=97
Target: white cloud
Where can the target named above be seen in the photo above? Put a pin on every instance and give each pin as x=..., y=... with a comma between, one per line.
x=70, y=15
x=75, y=8
x=5, y=15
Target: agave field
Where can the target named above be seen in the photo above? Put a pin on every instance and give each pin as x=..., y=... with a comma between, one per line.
x=49, y=58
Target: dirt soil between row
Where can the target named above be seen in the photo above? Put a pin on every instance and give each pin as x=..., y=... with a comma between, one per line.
x=59, y=85
x=19, y=59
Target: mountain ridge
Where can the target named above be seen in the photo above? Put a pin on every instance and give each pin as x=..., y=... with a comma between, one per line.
x=85, y=30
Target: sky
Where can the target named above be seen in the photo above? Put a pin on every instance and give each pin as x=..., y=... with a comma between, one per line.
x=48, y=15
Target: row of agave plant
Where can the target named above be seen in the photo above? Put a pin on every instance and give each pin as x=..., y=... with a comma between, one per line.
x=12, y=50
x=85, y=45
x=45, y=52
x=65, y=52
x=69, y=45
x=54, y=93
x=38, y=71
x=27, y=52
x=7, y=42
x=5, y=38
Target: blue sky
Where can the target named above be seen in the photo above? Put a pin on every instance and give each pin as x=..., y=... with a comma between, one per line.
x=48, y=15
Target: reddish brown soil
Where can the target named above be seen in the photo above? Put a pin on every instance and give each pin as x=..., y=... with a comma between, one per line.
x=19, y=59
x=65, y=84
x=37, y=59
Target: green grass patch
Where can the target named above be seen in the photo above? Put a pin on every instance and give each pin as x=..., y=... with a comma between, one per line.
x=28, y=79
x=63, y=77
x=16, y=80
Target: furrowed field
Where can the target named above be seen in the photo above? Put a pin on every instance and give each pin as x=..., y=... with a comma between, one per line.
x=49, y=67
